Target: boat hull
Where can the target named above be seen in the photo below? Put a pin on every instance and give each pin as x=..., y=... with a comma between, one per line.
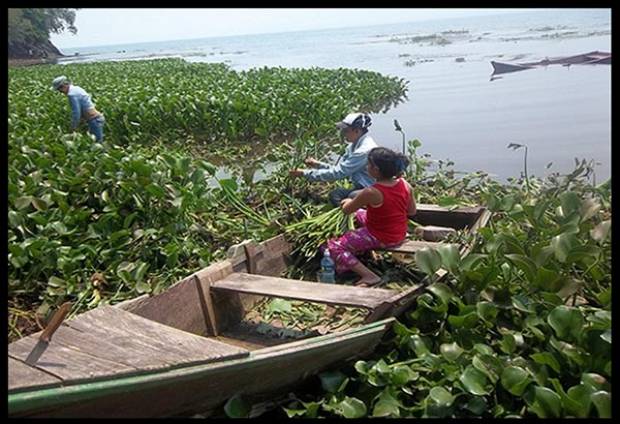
x=200, y=389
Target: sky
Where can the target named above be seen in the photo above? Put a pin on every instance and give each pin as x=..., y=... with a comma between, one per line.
x=98, y=27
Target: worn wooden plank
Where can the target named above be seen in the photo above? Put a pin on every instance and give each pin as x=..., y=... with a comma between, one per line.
x=183, y=305
x=251, y=257
x=205, y=293
x=120, y=347
x=192, y=348
x=313, y=292
x=270, y=256
x=412, y=246
x=22, y=375
x=67, y=363
x=109, y=341
x=270, y=369
x=430, y=207
x=428, y=214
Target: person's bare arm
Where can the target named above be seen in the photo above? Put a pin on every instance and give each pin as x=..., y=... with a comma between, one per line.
x=368, y=196
x=411, y=208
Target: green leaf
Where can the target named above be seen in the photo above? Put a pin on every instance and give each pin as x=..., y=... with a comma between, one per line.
x=140, y=271
x=595, y=381
x=483, y=349
x=143, y=287
x=22, y=202
x=350, y=407
x=601, y=231
x=606, y=336
x=571, y=202
x=292, y=413
x=477, y=405
x=521, y=303
x=450, y=257
x=403, y=374
x=562, y=245
x=581, y=400
x=156, y=191
x=39, y=204
x=279, y=306
x=566, y=322
x=386, y=406
x=489, y=365
x=546, y=358
x=237, y=407
x=362, y=366
x=508, y=344
x=589, y=208
x=442, y=291
x=525, y=264
x=569, y=351
x=515, y=380
x=468, y=320
x=333, y=381
x=418, y=345
x=601, y=320
x=429, y=260
x=547, y=403
x=474, y=381
x=229, y=184
x=56, y=282
x=602, y=402
x=450, y=351
x=447, y=201
x=486, y=311
x=441, y=396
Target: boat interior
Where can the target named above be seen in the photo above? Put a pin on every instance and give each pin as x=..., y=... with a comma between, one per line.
x=203, y=318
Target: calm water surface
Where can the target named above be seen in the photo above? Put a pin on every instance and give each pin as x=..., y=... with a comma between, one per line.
x=453, y=107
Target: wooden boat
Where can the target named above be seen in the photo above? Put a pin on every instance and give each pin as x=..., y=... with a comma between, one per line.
x=591, y=58
x=189, y=349
x=502, y=68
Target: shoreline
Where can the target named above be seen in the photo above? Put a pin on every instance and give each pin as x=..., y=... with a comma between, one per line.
x=17, y=62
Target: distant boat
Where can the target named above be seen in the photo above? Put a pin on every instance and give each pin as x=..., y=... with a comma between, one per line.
x=592, y=58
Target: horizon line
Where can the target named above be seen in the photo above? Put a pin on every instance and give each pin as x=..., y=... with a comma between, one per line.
x=284, y=32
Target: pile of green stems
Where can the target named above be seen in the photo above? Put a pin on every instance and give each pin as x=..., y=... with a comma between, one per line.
x=309, y=234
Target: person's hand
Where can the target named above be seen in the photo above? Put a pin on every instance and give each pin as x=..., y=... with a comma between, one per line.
x=311, y=162
x=345, y=202
x=296, y=172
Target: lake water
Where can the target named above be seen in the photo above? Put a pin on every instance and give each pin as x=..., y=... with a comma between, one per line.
x=454, y=107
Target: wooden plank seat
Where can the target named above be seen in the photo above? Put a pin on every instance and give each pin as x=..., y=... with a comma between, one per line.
x=334, y=294
x=412, y=246
x=108, y=341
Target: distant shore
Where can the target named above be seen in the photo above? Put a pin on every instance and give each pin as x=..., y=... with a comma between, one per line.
x=14, y=63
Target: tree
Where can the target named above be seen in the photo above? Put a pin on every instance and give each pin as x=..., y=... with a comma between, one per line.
x=30, y=28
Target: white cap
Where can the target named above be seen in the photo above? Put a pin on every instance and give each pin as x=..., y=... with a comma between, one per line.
x=355, y=120
x=59, y=82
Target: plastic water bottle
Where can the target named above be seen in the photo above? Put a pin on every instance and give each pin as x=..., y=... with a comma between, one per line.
x=328, y=268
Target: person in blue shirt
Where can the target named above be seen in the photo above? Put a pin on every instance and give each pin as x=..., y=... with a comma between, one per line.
x=352, y=164
x=82, y=107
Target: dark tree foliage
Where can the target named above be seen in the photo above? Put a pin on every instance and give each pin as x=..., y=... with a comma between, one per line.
x=30, y=28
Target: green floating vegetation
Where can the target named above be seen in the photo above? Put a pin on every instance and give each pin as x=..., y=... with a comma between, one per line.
x=93, y=223
x=519, y=327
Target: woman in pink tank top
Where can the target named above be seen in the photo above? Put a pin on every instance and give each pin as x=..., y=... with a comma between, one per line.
x=389, y=202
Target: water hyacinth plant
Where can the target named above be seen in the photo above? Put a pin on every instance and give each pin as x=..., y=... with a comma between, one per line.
x=520, y=327
x=97, y=223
